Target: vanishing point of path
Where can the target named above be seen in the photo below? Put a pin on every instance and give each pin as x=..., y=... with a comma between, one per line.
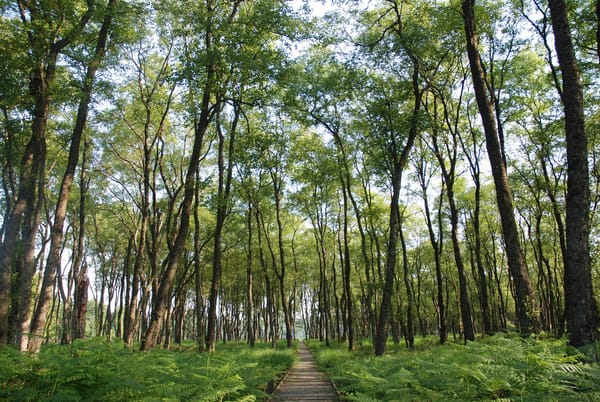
x=306, y=382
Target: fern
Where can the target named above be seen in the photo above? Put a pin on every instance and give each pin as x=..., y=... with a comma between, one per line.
x=502, y=367
x=95, y=370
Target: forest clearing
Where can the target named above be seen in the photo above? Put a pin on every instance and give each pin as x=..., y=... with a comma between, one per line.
x=188, y=189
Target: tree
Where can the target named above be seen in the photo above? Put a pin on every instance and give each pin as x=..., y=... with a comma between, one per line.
x=56, y=239
x=326, y=102
x=447, y=162
x=524, y=297
x=225, y=175
x=581, y=309
x=48, y=34
x=202, y=115
x=424, y=171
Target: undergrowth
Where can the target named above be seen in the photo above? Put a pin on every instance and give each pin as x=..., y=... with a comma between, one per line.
x=502, y=367
x=94, y=370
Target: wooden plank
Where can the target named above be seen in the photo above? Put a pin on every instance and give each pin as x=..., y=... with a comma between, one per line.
x=306, y=382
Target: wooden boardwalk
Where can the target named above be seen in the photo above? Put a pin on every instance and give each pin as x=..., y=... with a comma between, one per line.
x=306, y=382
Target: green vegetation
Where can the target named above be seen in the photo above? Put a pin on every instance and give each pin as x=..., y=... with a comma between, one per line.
x=500, y=367
x=94, y=370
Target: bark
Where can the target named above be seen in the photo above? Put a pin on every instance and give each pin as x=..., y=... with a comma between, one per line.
x=163, y=294
x=409, y=332
x=447, y=165
x=57, y=235
x=199, y=293
x=31, y=165
x=25, y=263
x=80, y=274
x=223, y=196
x=251, y=334
x=346, y=180
x=399, y=159
x=277, y=182
x=437, y=246
x=347, y=268
x=45, y=52
x=524, y=296
x=580, y=306
x=473, y=159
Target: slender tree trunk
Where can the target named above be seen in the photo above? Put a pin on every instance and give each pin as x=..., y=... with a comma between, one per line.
x=223, y=195
x=249, y=282
x=347, y=271
x=163, y=294
x=199, y=293
x=473, y=158
x=409, y=333
x=56, y=241
x=399, y=160
x=79, y=266
x=483, y=282
x=282, y=267
x=449, y=177
x=580, y=306
x=437, y=246
x=524, y=296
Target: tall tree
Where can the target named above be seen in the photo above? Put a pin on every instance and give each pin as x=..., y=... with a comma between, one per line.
x=424, y=171
x=225, y=160
x=56, y=239
x=581, y=309
x=524, y=296
x=397, y=156
x=447, y=159
x=48, y=32
x=203, y=80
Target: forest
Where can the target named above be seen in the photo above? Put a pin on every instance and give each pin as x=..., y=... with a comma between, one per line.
x=368, y=174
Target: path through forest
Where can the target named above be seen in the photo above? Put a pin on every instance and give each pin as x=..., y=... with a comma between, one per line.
x=306, y=382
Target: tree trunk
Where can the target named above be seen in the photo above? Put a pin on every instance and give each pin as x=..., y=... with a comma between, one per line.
x=223, y=195
x=163, y=294
x=80, y=267
x=281, y=275
x=54, y=257
x=409, y=333
x=199, y=293
x=399, y=161
x=437, y=246
x=524, y=296
x=31, y=184
x=251, y=333
x=580, y=306
x=347, y=268
x=449, y=177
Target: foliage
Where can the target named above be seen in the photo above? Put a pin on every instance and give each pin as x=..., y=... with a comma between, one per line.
x=500, y=367
x=93, y=369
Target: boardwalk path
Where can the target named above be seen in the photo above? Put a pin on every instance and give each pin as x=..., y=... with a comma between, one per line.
x=306, y=382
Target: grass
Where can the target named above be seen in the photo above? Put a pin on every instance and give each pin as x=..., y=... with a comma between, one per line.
x=499, y=368
x=94, y=370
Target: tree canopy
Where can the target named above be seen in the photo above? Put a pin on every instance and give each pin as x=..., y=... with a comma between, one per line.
x=268, y=169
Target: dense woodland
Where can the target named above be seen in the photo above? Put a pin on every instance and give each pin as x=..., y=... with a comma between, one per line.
x=262, y=170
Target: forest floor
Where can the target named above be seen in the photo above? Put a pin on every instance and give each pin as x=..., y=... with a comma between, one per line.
x=96, y=370
x=503, y=367
x=306, y=382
